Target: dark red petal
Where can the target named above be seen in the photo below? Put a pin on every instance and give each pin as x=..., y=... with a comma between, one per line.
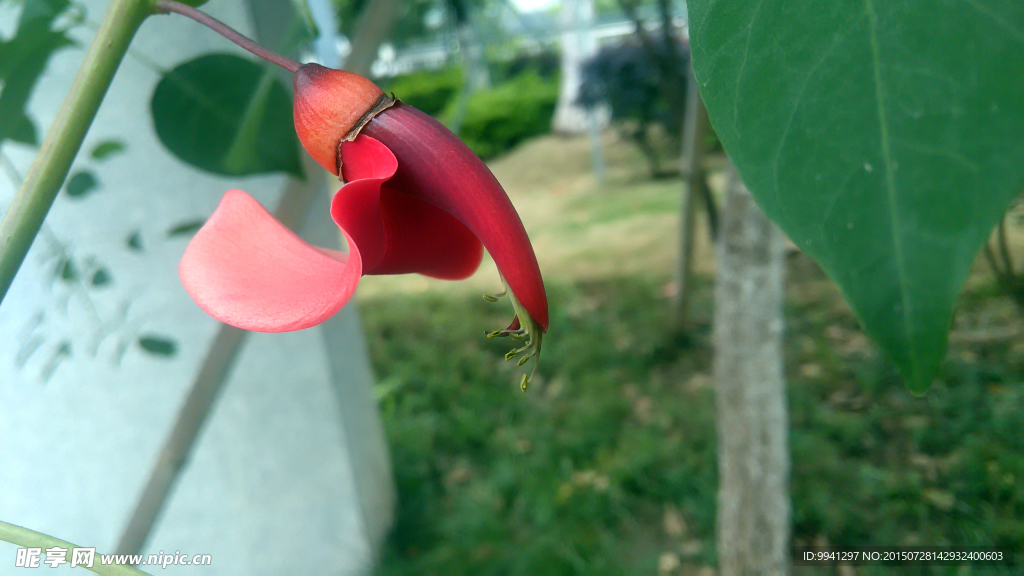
x=246, y=269
x=435, y=166
x=397, y=233
x=356, y=207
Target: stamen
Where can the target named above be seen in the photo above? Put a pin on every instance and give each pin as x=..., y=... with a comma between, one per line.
x=495, y=297
x=514, y=352
x=514, y=334
x=523, y=328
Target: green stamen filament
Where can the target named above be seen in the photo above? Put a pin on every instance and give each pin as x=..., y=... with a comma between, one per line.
x=528, y=331
x=495, y=297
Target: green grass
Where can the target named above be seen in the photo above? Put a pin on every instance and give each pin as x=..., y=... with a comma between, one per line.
x=572, y=477
x=608, y=461
x=607, y=464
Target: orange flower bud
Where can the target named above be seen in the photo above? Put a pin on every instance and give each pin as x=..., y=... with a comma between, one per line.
x=330, y=108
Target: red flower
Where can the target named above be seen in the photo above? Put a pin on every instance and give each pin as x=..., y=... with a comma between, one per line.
x=416, y=199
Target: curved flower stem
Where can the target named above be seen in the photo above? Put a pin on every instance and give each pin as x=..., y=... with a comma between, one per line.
x=23, y=219
x=227, y=32
x=31, y=539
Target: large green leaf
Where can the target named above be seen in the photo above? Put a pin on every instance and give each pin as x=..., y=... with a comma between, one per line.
x=886, y=137
x=22, y=60
x=226, y=115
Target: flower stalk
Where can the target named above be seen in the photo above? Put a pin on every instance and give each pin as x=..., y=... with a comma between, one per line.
x=31, y=539
x=22, y=221
x=166, y=6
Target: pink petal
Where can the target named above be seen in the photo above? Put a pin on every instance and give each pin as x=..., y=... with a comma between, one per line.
x=398, y=233
x=246, y=269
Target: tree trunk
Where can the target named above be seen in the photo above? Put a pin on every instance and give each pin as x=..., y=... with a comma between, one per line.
x=375, y=23
x=578, y=44
x=478, y=77
x=753, y=457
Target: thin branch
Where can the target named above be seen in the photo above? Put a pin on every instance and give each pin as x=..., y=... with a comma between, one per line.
x=25, y=216
x=228, y=32
x=27, y=538
x=993, y=263
x=58, y=246
x=1004, y=250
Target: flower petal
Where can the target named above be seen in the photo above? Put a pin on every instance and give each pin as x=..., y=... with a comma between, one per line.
x=398, y=233
x=435, y=166
x=248, y=270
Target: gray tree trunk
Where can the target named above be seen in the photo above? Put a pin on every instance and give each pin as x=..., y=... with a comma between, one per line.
x=375, y=23
x=478, y=77
x=578, y=44
x=753, y=457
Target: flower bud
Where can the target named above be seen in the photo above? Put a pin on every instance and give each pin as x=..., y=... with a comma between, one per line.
x=331, y=106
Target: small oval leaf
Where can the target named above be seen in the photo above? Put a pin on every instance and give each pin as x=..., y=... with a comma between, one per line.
x=66, y=270
x=100, y=277
x=134, y=241
x=185, y=228
x=107, y=148
x=226, y=115
x=158, y=345
x=81, y=183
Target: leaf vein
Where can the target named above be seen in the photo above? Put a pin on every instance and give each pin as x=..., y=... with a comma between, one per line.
x=890, y=183
x=743, y=65
x=1018, y=35
x=796, y=106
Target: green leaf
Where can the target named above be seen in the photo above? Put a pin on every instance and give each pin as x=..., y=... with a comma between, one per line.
x=159, y=345
x=134, y=241
x=21, y=129
x=81, y=183
x=226, y=115
x=101, y=277
x=22, y=60
x=884, y=137
x=185, y=228
x=66, y=270
x=107, y=148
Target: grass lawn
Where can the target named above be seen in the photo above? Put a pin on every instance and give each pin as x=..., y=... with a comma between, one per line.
x=607, y=464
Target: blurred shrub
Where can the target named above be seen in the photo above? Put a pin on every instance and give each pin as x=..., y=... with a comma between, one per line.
x=497, y=119
x=430, y=91
x=631, y=80
x=626, y=78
